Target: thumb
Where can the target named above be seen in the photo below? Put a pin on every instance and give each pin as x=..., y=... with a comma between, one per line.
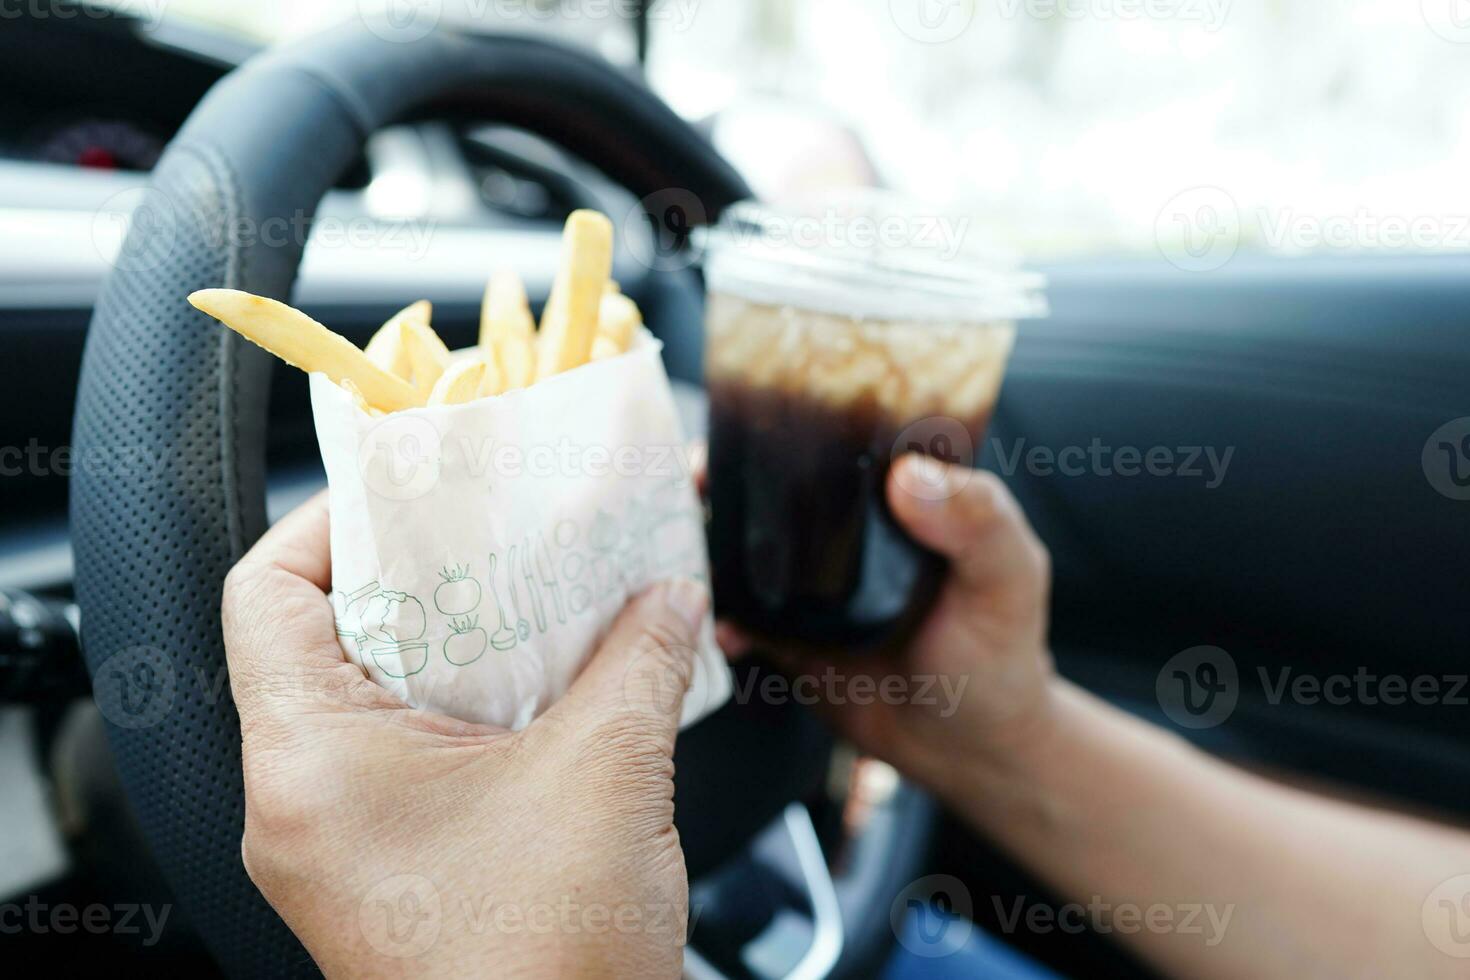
x=970, y=517
x=642, y=671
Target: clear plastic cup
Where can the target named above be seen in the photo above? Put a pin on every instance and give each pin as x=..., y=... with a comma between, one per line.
x=826, y=361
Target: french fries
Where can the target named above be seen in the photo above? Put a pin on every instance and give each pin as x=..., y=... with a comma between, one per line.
x=406, y=364
x=506, y=311
x=301, y=342
x=508, y=332
x=516, y=357
x=428, y=358
x=386, y=349
x=604, y=347
x=492, y=382
x=570, y=321
x=357, y=397
x=459, y=383
x=618, y=320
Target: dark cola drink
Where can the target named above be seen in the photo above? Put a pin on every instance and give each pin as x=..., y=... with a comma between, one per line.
x=809, y=408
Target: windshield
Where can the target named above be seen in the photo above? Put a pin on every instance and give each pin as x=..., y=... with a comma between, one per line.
x=1062, y=126
x=606, y=25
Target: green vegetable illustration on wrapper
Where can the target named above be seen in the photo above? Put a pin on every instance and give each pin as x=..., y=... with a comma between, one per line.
x=603, y=537
x=403, y=660
x=458, y=594
x=388, y=624
x=466, y=643
x=393, y=617
x=522, y=626
x=349, y=628
x=503, y=638
x=388, y=629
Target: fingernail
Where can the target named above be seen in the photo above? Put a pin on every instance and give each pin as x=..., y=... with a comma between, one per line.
x=689, y=600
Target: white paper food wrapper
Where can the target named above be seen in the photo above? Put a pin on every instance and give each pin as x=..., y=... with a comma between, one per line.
x=481, y=551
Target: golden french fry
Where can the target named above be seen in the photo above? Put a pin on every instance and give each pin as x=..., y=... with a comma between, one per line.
x=604, y=347
x=386, y=349
x=548, y=313
x=356, y=393
x=570, y=322
x=516, y=357
x=301, y=342
x=492, y=382
x=618, y=320
x=458, y=384
x=428, y=358
x=505, y=310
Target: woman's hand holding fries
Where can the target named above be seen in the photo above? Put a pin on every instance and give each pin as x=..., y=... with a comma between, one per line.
x=478, y=818
x=407, y=365
x=352, y=798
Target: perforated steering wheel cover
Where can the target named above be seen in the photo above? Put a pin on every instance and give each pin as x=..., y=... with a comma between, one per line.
x=165, y=387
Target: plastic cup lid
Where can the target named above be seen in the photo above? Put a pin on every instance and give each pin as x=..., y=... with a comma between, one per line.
x=865, y=258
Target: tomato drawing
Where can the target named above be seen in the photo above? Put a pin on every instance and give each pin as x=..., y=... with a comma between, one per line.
x=465, y=644
x=458, y=594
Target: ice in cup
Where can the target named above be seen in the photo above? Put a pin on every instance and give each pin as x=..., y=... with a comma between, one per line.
x=823, y=366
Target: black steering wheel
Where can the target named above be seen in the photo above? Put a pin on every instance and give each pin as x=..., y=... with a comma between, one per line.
x=165, y=383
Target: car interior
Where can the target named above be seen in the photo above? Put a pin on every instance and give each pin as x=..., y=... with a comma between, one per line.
x=1320, y=374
